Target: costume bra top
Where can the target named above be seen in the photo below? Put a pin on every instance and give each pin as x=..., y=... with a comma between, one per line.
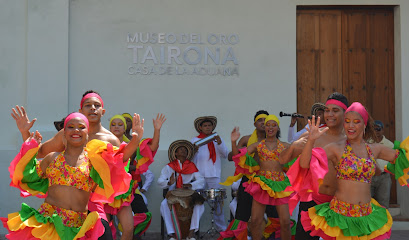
x=60, y=173
x=352, y=167
x=266, y=154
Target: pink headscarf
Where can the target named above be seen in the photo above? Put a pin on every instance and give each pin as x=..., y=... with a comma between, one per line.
x=74, y=115
x=336, y=102
x=360, y=109
x=90, y=95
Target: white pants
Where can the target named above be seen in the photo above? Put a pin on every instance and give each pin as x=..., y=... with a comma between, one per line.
x=213, y=182
x=233, y=207
x=198, y=211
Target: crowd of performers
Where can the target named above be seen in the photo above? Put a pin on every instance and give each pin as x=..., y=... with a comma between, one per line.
x=88, y=174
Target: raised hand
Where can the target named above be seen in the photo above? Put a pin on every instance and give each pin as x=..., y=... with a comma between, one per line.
x=36, y=136
x=172, y=179
x=158, y=122
x=22, y=121
x=314, y=128
x=235, y=134
x=137, y=126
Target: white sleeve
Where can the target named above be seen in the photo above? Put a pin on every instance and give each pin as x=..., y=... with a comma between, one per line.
x=290, y=134
x=299, y=133
x=199, y=181
x=164, y=177
x=149, y=176
x=224, y=151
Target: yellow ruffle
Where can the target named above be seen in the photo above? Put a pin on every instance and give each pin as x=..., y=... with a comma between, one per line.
x=19, y=170
x=94, y=149
x=231, y=179
x=319, y=222
x=117, y=203
x=47, y=231
x=271, y=192
x=242, y=164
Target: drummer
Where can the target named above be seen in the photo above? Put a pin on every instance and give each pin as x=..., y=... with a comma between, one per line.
x=181, y=173
x=208, y=160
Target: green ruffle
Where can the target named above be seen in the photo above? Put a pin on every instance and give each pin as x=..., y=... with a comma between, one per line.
x=354, y=226
x=142, y=226
x=289, y=164
x=96, y=177
x=250, y=161
x=31, y=178
x=277, y=186
x=401, y=162
x=65, y=233
x=129, y=192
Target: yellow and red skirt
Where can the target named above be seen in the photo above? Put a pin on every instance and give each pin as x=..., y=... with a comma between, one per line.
x=342, y=220
x=52, y=223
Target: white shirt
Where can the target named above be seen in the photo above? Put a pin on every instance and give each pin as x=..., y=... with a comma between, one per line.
x=382, y=163
x=149, y=176
x=295, y=136
x=203, y=161
x=196, y=179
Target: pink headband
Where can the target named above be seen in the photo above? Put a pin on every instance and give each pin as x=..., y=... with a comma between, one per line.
x=336, y=102
x=360, y=109
x=90, y=95
x=74, y=115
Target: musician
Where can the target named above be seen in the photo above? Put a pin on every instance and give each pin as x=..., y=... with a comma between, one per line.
x=208, y=160
x=317, y=110
x=181, y=173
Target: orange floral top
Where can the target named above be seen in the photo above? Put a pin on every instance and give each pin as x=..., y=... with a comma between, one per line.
x=266, y=154
x=60, y=173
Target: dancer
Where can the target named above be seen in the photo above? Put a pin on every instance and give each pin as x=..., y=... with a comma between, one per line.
x=92, y=106
x=144, y=157
x=270, y=185
x=306, y=181
x=238, y=226
x=351, y=214
x=66, y=180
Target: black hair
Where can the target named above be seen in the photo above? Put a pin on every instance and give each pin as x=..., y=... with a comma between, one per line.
x=90, y=91
x=260, y=112
x=340, y=97
x=206, y=120
x=278, y=135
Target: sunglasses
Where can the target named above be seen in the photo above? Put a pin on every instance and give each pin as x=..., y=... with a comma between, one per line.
x=378, y=129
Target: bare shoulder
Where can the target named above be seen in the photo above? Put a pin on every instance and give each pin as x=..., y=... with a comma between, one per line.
x=107, y=136
x=48, y=159
x=286, y=145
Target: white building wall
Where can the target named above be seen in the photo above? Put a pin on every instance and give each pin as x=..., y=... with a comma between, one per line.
x=53, y=51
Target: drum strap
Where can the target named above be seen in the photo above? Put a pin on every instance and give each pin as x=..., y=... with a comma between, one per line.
x=175, y=223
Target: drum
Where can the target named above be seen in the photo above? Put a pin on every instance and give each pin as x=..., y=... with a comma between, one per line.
x=181, y=203
x=214, y=194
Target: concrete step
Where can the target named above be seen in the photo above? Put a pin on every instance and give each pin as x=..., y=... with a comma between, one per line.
x=394, y=211
x=400, y=223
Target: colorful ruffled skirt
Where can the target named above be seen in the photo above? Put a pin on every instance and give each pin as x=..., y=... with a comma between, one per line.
x=52, y=223
x=269, y=188
x=341, y=220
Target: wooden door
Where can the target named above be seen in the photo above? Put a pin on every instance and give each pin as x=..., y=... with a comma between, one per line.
x=348, y=50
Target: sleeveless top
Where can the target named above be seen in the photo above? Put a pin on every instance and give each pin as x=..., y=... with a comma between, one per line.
x=60, y=173
x=351, y=167
x=266, y=154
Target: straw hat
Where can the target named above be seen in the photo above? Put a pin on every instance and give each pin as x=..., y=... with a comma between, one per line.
x=181, y=143
x=199, y=120
x=317, y=106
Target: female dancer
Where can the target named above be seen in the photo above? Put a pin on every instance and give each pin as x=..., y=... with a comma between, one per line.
x=351, y=214
x=133, y=201
x=67, y=180
x=270, y=185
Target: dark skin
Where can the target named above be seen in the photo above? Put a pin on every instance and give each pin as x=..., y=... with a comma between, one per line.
x=261, y=134
x=181, y=154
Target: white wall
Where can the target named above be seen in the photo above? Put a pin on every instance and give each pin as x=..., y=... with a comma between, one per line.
x=53, y=51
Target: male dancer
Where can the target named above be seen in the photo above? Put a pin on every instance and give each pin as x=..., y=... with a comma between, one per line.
x=92, y=107
x=335, y=107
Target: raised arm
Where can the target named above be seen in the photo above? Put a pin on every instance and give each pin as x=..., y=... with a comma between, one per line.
x=384, y=152
x=242, y=143
x=157, y=125
x=235, y=135
x=55, y=144
x=23, y=123
x=137, y=134
x=292, y=151
x=314, y=133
